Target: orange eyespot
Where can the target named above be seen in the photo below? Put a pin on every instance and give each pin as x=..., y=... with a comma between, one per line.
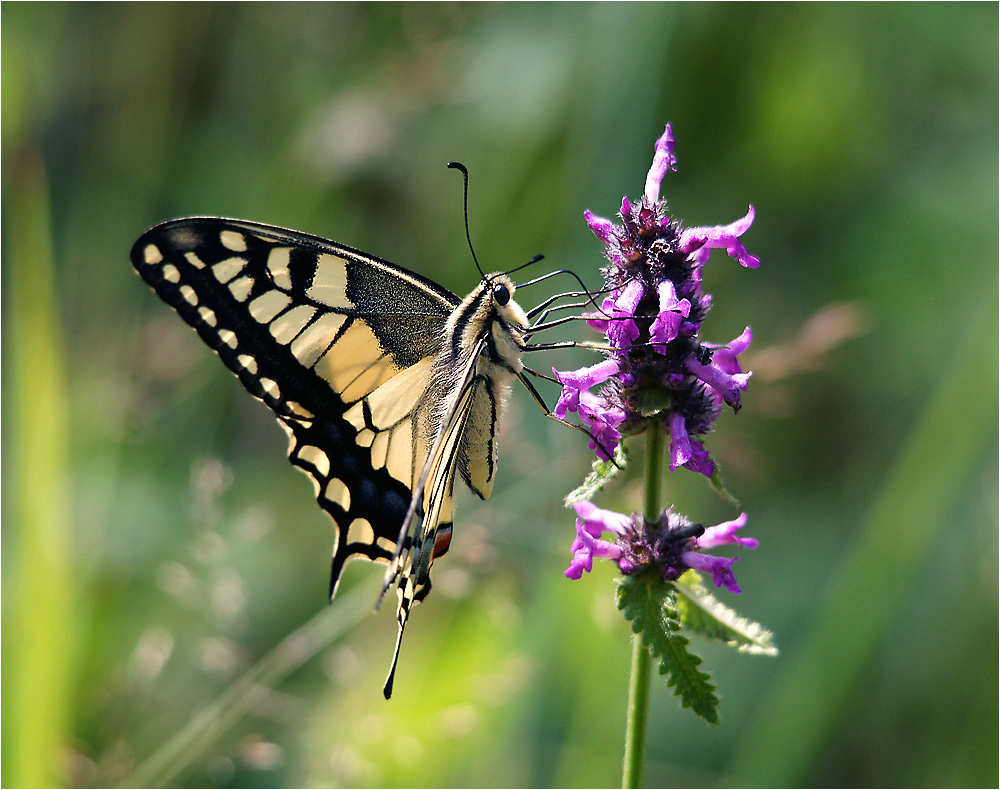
x=442, y=541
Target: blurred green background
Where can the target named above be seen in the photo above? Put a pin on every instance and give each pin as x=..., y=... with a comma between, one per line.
x=157, y=544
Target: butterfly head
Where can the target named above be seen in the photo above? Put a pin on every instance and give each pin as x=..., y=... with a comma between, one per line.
x=501, y=288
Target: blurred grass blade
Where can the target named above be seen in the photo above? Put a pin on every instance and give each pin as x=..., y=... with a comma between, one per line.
x=211, y=723
x=38, y=593
x=900, y=532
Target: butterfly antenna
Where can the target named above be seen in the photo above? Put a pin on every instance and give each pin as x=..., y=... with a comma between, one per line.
x=468, y=236
x=535, y=259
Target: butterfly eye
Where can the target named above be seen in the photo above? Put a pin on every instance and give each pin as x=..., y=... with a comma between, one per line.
x=500, y=294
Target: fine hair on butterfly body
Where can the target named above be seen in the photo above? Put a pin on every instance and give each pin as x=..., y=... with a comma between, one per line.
x=386, y=383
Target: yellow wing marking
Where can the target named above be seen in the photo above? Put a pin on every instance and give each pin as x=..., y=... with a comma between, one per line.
x=277, y=265
x=226, y=270
x=232, y=240
x=289, y=324
x=317, y=338
x=316, y=457
x=356, y=364
x=240, y=289
x=329, y=285
x=266, y=306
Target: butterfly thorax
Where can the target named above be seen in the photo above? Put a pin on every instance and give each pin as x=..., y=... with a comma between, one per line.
x=478, y=360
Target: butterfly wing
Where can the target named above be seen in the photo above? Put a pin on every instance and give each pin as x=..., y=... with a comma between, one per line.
x=426, y=527
x=339, y=344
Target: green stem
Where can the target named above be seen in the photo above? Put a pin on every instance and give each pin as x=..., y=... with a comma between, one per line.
x=638, y=692
x=638, y=711
x=654, y=473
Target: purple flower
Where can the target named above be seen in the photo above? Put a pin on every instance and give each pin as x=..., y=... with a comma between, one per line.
x=667, y=547
x=727, y=385
x=585, y=378
x=604, y=229
x=721, y=237
x=602, y=420
x=686, y=451
x=663, y=372
x=622, y=330
x=591, y=523
x=717, y=566
x=725, y=358
x=669, y=318
x=725, y=533
x=663, y=160
x=600, y=417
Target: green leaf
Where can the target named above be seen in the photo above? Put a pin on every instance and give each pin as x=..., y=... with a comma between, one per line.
x=701, y=612
x=653, y=400
x=650, y=606
x=716, y=482
x=601, y=473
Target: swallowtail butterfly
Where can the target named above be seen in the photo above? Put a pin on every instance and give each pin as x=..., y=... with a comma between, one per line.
x=387, y=384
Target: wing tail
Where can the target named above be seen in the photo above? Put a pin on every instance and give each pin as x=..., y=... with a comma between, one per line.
x=387, y=689
x=426, y=528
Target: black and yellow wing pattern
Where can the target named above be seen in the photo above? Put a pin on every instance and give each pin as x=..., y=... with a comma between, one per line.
x=386, y=383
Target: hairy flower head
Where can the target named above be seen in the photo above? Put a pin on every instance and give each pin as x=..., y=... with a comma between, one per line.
x=658, y=367
x=666, y=547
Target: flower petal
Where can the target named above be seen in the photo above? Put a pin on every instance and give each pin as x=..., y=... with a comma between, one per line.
x=587, y=544
x=603, y=228
x=725, y=533
x=622, y=330
x=582, y=561
x=680, y=442
x=663, y=160
x=725, y=358
x=719, y=567
x=598, y=520
x=721, y=237
x=728, y=385
x=700, y=460
x=672, y=312
x=584, y=378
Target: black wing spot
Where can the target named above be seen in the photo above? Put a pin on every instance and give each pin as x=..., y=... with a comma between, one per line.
x=394, y=506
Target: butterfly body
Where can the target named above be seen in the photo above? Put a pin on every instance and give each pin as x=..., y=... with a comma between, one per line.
x=386, y=383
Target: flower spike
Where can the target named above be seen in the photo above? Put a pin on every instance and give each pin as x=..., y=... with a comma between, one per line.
x=658, y=370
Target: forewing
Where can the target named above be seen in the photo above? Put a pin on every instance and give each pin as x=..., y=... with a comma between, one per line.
x=337, y=343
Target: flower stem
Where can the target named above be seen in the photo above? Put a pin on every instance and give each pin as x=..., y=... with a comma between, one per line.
x=638, y=710
x=651, y=485
x=638, y=692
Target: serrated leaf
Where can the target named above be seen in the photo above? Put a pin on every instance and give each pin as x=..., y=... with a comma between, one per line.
x=649, y=604
x=703, y=614
x=719, y=487
x=600, y=474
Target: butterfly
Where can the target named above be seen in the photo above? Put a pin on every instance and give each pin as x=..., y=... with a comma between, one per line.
x=387, y=384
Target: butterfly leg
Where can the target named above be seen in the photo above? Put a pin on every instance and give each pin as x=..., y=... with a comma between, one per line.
x=548, y=412
x=551, y=346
